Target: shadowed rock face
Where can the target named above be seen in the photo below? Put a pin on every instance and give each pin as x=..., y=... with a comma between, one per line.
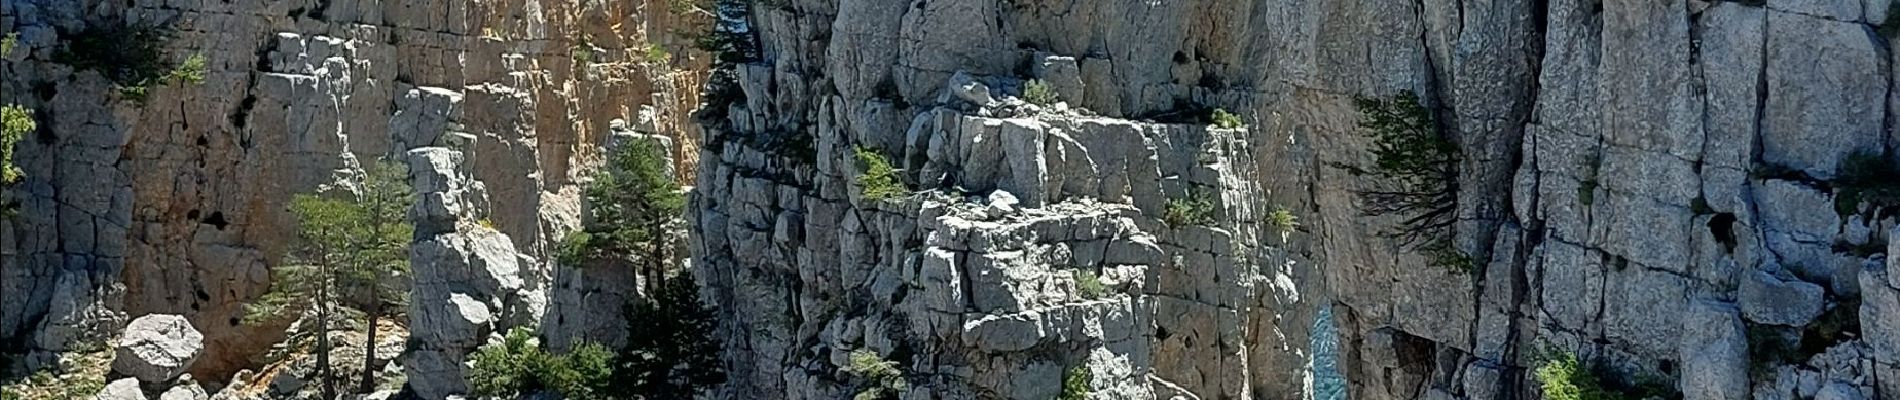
x=1647, y=184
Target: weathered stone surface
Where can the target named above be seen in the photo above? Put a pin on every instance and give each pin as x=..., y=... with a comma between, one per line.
x=1771, y=300
x=123, y=389
x=157, y=348
x=1714, y=353
x=1824, y=91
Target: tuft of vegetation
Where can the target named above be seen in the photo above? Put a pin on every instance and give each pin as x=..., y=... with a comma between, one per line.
x=879, y=179
x=878, y=379
x=1075, y=383
x=1283, y=220
x=1194, y=210
x=15, y=122
x=1422, y=168
x=1088, y=284
x=132, y=57
x=672, y=354
x=1038, y=92
x=1563, y=377
x=80, y=374
x=1226, y=120
x=732, y=42
x=517, y=366
x=656, y=54
x=1866, y=177
x=8, y=43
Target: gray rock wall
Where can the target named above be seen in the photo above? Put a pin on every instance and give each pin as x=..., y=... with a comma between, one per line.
x=1644, y=184
x=177, y=205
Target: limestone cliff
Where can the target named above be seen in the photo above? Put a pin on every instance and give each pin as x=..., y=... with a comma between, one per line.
x=1670, y=189
x=176, y=204
x=1651, y=185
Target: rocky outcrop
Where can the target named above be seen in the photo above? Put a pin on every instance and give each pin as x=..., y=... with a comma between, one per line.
x=157, y=348
x=176, y=205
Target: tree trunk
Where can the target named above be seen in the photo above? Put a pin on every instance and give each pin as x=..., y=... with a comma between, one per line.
x=369, y=344
x=327, y=386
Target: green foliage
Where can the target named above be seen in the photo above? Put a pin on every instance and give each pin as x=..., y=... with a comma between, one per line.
x=879, y=179
x=1866, y=177
x=878, y=379
x=518, y=366
x=634, y=203
x=132, y=57
x=8, y=43
x=1562, y=377
x=672, y=354
x=1441, y=254
x=15, y=122
x=1421, y=167
x=1037, y=92
x=1075, y=383
x=192, y=70
x=656, y=54
x=1227, y=120
x=1283, y=220
x=1088, y=284
x=1194, y=210
x=45, y=385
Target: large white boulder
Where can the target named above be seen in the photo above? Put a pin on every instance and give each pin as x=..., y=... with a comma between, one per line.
x=158, y=347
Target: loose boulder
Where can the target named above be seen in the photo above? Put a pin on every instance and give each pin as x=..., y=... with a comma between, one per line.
x=157, y=348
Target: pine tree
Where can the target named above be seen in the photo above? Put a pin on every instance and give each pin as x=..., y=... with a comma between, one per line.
x=346, y=240
x=670, y=352
x=635, y=203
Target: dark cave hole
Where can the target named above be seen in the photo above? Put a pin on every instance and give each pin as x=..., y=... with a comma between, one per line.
x=1722, y=225
x=217, y=219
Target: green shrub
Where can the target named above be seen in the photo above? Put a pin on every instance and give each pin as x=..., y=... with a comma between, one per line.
x=656, y=54
x=1563, y=377
x=1075, y=383
x=518, y=366
x=1088, y=284
x=15, y=122
x=1037, y=92
x=192, y=70
x=1195, y=210
x=1283, y=220
x=8, y=43
x=1227, y=120
x=879, y=179
x=877, y=378
x=132, y=57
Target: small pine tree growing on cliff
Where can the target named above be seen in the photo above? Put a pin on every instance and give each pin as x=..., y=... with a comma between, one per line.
x=1421, y=167
x=671, y=353
x=349, y=243
x=635, y=203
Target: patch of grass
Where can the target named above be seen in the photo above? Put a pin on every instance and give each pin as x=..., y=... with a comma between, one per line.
x=1194, y=210
x=1226, y=120
x=1283, y=220
x=878, y=379
x=1088, y=284
x=879, y=179
x=1075, y=383
x=1037, y=92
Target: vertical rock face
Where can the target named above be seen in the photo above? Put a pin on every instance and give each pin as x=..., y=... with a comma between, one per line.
x=176, y=204
x=1649, y=185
